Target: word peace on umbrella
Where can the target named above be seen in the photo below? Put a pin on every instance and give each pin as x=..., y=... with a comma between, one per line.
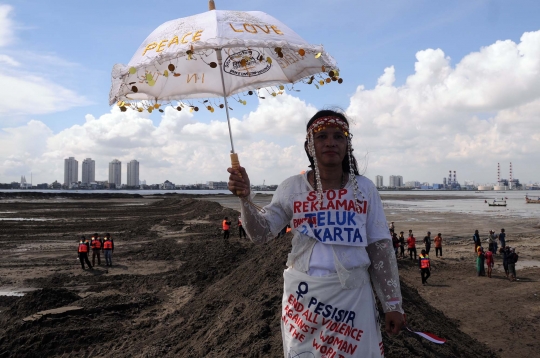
x=197, y=62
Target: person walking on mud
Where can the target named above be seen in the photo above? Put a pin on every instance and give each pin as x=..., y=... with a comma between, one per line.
x=477, y=242
x=108, y=249
x=427, y=242
x=480, y=259
x=502, y=238
x=226, y=225
x=493, y=242
x=438, y=244
x=335, y=215
x=401, y=244
x=411, y=245
x=241, y=230
x=395, y=242
x=489, y=262
x=424, y=264
x=96, y=243
x=512, y=260
x=82, y=252
x=506, y=254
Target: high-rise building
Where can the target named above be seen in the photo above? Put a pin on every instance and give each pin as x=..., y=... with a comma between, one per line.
x=115, y=173
x=396, y=181
x=71, y=171
x=379, y=181
x=88, y=171
x=133, y=173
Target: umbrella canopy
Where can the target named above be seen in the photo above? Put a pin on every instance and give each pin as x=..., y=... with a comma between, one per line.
x=184, y=59
x=203, y=59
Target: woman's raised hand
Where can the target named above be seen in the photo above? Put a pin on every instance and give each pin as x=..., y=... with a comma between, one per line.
x=239, y=182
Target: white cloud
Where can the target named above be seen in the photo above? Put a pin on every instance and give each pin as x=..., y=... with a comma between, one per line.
x=432, y=123
x=5, y=59
x=6, y=25
x=32, y=92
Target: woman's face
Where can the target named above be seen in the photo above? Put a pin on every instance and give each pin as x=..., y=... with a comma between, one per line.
x=330, y=147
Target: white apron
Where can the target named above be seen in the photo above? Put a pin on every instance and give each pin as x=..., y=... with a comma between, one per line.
x=320, y=319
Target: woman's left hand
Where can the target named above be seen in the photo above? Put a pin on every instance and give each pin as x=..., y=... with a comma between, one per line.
x=394, y=322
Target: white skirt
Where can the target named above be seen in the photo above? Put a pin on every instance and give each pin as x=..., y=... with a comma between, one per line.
x=320, y=319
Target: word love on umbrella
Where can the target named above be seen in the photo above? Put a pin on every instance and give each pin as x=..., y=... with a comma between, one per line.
x=197, y=61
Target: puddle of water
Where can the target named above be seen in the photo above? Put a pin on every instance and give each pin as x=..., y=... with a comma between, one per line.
x=134, y=204
x=13, y=291
x=25, y=219
x=521, y=264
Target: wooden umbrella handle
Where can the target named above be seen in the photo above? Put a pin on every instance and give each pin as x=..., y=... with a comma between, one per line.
x=235, y=164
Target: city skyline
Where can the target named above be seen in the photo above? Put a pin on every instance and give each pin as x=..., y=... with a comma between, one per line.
x=71, y=173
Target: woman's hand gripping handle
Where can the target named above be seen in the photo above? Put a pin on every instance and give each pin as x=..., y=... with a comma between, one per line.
x=238, y=179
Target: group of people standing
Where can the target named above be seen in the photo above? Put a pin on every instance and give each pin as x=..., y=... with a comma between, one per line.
x=97, y=245
x=424, y=263
x=226, y=226
x=487, y=257
x=400, y=241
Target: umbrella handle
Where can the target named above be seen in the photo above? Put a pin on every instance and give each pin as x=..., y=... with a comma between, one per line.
x=235, y=164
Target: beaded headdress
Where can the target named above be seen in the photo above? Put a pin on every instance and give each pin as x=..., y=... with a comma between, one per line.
x=318, y=125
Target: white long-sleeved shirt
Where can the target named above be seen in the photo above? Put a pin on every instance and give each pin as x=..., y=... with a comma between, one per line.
x=333, y=238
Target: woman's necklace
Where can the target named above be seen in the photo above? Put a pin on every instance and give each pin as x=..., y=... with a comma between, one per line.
x=315, y=182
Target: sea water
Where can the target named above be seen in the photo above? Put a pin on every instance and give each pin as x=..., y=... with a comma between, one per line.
x=474, y=203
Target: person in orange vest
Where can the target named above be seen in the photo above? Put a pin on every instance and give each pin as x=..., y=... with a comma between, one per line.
x=425, y=266
x=83, y=249
x=108, y=249
x=226, y=225
x=96, y=243
x=438, y=244
x=411, y=245
x=241, y=230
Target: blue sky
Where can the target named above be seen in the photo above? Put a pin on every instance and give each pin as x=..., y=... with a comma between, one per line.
x=72, y=46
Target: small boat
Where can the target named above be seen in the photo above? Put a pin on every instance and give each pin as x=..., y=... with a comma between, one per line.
x=498, y=203
x=532, y=200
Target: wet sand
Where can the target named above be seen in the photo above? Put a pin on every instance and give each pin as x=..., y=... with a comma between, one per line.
x=177, y=289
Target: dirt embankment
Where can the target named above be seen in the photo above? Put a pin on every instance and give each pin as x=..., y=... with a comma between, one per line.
x=176, y=289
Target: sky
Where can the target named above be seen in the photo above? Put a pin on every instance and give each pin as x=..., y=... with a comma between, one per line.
x=429, y=86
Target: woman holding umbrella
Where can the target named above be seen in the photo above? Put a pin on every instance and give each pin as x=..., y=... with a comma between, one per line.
x=340, y=244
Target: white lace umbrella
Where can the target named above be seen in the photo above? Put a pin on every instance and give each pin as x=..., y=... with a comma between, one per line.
x=199, y=61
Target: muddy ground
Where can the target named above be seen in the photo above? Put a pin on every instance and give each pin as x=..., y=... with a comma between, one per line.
x=178, y=289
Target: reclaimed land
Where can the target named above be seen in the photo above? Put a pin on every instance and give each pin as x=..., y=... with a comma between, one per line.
x=177, y=289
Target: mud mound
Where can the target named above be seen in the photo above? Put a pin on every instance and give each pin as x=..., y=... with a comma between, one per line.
x=118, y=303
x=421, y=316
x=192, y=209
x=41, y=300
x=7, y=301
